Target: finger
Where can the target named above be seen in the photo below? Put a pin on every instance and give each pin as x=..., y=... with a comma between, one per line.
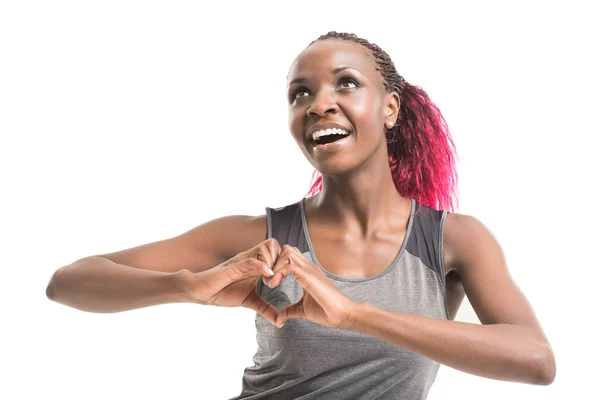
x=274, y=249
x=265, y=246
x=295, y=266
x=270, y=251
x=264, y=255
x=226, y=275
x=290, y=312
x=282, y=261
x=261, y=306
x=271, y=248
x=258, y=267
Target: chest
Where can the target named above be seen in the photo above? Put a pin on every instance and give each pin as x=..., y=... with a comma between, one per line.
x=350, y=257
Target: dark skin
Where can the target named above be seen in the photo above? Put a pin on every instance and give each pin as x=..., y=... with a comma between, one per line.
x=359, y=220
x=357, y=224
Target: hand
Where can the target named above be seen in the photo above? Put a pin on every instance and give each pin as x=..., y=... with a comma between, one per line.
x=233, y=283
x=322, y=303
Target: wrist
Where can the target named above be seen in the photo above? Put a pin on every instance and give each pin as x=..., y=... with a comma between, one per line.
x=357, y=312
x=186, y=281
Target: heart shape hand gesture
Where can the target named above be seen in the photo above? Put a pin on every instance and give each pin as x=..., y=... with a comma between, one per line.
x=322, y=303
x=233, y=284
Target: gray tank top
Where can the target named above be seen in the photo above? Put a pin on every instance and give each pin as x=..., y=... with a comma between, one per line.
x=304, y=360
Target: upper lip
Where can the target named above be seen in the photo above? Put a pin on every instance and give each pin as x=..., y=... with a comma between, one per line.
x=319, y=127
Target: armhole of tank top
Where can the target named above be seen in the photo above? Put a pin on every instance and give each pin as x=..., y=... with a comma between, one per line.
x=441, y=260
x=441, y=245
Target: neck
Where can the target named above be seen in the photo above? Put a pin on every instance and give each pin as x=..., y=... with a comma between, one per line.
x=363, y=201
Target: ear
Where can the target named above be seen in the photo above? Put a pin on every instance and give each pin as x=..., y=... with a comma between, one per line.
x=392, y=107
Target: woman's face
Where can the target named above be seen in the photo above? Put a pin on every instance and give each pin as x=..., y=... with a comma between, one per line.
x=334, y=84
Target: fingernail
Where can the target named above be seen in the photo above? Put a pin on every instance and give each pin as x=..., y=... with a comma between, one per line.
x=281, y=325
x=270, y=271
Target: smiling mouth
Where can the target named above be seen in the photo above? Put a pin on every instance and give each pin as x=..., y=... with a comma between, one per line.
x=329, y=139
x=326, y=139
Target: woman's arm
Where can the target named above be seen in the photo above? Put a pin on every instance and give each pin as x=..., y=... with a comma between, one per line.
x=99, y=285
x=153, y=273
x=510, y=345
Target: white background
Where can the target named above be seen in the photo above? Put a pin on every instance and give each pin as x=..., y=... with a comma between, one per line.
x=128, y=122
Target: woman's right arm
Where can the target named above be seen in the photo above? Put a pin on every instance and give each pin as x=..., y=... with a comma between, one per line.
x=153, y=273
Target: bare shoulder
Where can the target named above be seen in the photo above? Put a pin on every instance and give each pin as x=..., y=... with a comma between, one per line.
x=471, y=255
x=198, y=249
x=463, y=235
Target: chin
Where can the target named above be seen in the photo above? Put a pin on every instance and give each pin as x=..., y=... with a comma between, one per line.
x=335, y=167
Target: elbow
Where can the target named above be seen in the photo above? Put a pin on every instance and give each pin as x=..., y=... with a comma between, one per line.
x=545, y=366
x=50, y=291
x=51, y=288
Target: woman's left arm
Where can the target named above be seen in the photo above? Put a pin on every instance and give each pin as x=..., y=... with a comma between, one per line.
x=510, y=344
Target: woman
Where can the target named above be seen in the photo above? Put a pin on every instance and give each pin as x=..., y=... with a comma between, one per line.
x=357, y=286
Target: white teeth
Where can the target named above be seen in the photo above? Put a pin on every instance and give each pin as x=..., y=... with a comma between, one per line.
x=330, y=131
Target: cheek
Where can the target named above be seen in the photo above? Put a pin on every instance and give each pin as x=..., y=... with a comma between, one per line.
x=366, y=112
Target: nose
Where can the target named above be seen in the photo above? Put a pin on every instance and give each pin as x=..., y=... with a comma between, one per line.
x=323, y=102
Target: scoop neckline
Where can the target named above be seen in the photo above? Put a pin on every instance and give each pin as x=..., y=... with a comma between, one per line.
x=368, y=278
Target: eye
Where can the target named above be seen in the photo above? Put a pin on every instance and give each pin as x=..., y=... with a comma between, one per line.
x=344, y=82
x=297, y=93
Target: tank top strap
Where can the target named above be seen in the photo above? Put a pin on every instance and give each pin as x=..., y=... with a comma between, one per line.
x=285, y=225
x=426, y=240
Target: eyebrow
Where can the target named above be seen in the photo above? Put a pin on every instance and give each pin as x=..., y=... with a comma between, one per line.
x=334, y=71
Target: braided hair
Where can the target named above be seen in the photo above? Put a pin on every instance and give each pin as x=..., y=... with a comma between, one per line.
x=421, y=152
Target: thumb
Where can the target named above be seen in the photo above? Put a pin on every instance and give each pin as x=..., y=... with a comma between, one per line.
x=290, y=312
x=261, y=306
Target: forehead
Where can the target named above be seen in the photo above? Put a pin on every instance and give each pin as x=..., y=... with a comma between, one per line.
x=325, y=55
